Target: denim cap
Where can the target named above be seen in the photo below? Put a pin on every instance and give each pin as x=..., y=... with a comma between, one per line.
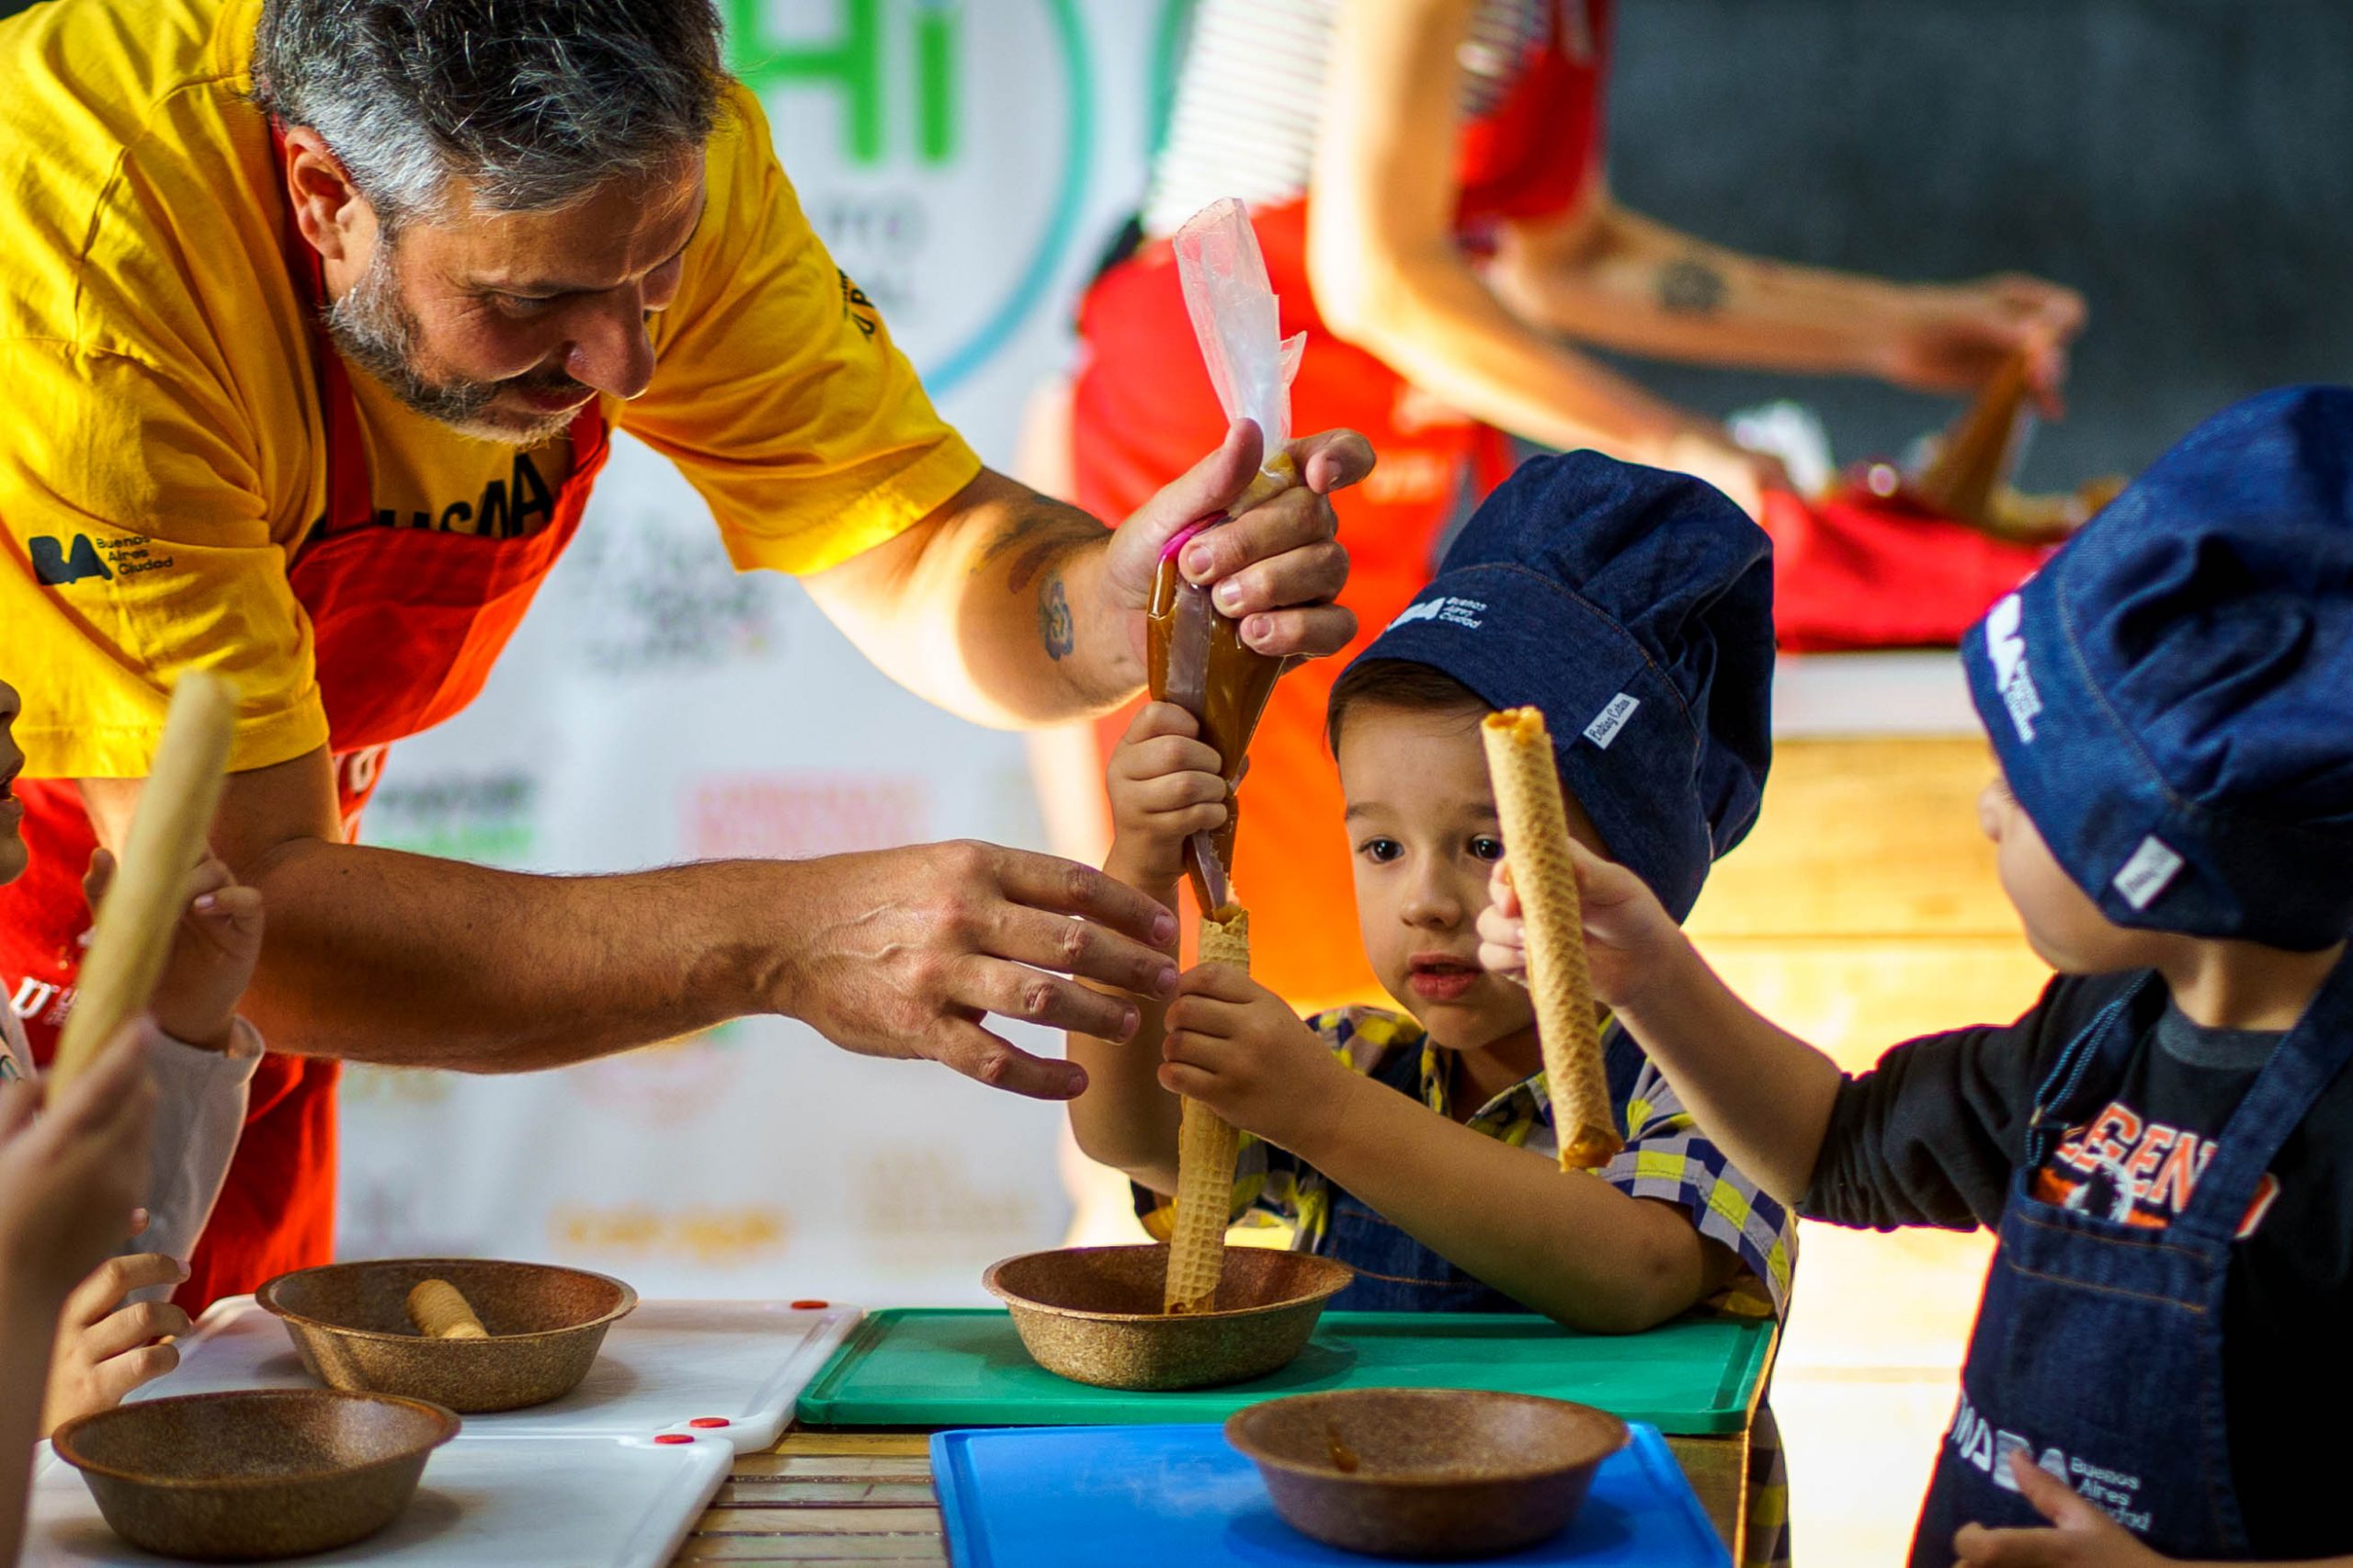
x=2171, y=694
x=1634, y=606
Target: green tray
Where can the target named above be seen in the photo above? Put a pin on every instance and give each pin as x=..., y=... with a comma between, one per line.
x=965, y=1366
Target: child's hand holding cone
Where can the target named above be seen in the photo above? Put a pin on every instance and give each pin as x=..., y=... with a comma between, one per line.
x=1627, y=933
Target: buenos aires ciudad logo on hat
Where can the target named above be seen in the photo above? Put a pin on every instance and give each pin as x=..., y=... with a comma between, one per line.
x=1447, y=609
x=2005, y=646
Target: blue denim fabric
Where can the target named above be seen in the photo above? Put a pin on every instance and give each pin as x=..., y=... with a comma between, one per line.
x=1394, y=1272
x=1635, y=607
x=2171, y=694
x=2099, y=1347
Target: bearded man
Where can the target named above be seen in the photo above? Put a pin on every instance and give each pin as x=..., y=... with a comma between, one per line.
x=317, y=317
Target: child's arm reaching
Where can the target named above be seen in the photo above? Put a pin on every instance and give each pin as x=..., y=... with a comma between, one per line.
x=202, y=1065
x=1567, y=1243
x=1163, y=784
x=1759, y=1093
x=66, y=1182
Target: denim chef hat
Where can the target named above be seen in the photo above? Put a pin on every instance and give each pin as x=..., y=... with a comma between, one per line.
x=1634, y=606
x=2172, y=694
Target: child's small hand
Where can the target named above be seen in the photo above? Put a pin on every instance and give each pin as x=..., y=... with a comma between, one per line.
x=106, y=1350
x=67, y=1179
x=1237, y=1047
x=1165, y=786
x=1630, y=939
x=214, y=951
x=1502, y=940
x=2080, y=1536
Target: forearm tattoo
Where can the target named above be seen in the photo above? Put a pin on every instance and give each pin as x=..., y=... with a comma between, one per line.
x=1054, y=626
x=1038, y=540
x=1036, y=545
x=1689, y=287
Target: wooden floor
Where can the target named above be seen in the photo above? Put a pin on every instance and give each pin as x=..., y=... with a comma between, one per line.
x=827, y=1497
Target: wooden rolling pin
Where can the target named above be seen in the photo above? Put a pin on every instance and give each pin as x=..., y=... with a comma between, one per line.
x=1207, y=1148
x=1975, y=460
x=441, y=1311
x=141, y=910
x=1536, y=840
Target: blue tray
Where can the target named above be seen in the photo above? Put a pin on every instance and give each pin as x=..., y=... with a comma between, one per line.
x=1166, y=1497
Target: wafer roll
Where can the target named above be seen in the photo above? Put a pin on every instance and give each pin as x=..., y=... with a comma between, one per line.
x=132, y=936
x=1535, y=838
x=441, y=1312
x=1205, y=1150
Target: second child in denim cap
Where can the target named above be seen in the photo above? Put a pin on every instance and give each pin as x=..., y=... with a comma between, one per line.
x=1414, y=1141
x=2164, y=1352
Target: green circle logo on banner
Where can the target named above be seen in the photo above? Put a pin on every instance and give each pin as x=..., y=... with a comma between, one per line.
x=914, y=139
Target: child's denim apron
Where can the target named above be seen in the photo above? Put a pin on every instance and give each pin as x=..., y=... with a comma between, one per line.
x=2098, y=1347
x=1394, y=1272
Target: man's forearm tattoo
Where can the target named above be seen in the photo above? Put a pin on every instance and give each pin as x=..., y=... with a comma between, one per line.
x=1689, y=287
x=1037, y=541
x=1056, y=629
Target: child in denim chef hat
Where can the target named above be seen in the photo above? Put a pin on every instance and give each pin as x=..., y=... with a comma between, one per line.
x=1415, y=1141
x=2166, y=1140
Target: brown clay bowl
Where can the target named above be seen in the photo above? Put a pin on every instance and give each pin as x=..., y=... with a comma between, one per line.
x=1092, y=1314
x=255, y=1474
x=350, y=1324
x=1426, y=1473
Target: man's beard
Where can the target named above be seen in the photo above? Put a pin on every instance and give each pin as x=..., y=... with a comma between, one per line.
x=375, y=329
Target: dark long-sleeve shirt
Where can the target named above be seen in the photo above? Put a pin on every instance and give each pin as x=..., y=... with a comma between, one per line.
x=1934, y=1134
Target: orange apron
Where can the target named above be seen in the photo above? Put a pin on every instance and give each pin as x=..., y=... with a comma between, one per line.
x=406, y=624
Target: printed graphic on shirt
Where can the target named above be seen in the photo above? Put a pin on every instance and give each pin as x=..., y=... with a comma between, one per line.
x=2135, y=1171
x=857, y=308
x=1977, y=1442
x=38, y=1000
x=59, y=561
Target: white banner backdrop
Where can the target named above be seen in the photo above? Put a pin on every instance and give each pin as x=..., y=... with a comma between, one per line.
x=966, y=163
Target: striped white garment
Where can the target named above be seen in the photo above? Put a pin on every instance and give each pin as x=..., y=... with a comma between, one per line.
x=1250, y=97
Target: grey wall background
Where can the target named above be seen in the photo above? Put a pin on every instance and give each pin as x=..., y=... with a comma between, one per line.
x=2187, y=164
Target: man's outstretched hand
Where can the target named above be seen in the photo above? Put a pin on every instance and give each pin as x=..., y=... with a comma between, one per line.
x=905, y=952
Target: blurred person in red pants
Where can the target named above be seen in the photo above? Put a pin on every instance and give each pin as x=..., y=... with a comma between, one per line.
x=1425, y=178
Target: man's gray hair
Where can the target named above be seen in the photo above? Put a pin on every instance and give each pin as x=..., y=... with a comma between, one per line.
x=534, y=102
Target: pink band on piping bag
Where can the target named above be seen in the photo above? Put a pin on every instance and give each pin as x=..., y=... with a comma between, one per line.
x=1184, y=536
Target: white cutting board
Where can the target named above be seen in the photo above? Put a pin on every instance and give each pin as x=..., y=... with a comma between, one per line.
x=488, y=1500
x=724, y=1369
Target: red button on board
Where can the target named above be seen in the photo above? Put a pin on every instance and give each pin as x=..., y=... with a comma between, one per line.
x=707, y=1422
x=672, y=1438
x=811, y=1306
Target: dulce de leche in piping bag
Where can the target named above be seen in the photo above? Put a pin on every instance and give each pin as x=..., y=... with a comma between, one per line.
x=1196, y=654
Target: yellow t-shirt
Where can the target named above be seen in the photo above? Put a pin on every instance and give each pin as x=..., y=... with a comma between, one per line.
x=161, y=448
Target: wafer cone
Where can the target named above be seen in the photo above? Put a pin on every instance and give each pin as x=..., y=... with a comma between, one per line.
x=441, y=1312
x=1535, y=838
x=1205, y=1150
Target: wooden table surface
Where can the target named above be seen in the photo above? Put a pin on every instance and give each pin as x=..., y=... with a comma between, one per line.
x=864, y=1499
